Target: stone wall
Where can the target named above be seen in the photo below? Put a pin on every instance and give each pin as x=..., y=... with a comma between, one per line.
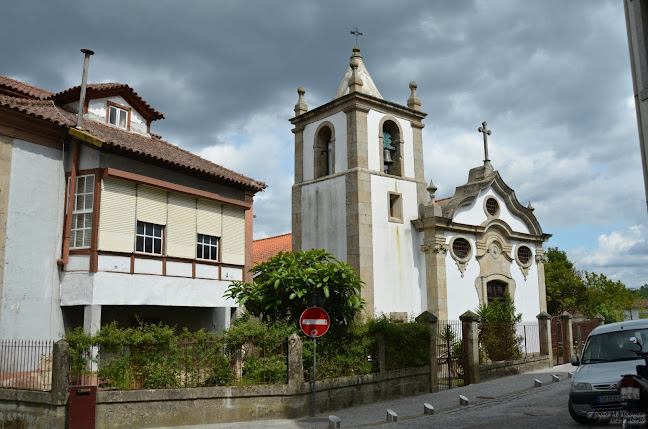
x=503, y=369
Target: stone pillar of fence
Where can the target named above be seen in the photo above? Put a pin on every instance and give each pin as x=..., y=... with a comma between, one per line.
x=431, y=320
x=568, y=336
x=600, y=318
x=470, y=333
x=544, y=330
x=60, y=372
x=295, y=363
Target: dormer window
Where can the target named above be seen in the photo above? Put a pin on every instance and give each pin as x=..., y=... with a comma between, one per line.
x=118, y=116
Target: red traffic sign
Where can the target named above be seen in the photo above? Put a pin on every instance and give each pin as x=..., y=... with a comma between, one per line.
x=314, y=321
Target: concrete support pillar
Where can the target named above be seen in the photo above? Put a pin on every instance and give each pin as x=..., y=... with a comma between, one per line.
x=544, y=329
x=60, y=366
x=431, y=320
x=421, y=185
x=568, y=336
x=91, y=319
x=295, y=363
x=470, y=333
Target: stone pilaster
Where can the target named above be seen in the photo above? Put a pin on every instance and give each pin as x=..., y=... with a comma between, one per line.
x=435, y=275
x=357, y=140
x=296, y=223
x=6, y=146
x=296, y=218
x=359, y=232
x=541, y=259
x=421, y=185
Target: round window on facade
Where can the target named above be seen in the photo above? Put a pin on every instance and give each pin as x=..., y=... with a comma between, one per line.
x=461, y=248
x=492, y=206
x=524, y=255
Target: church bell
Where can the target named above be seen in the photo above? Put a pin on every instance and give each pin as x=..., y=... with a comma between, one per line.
x=387, y=158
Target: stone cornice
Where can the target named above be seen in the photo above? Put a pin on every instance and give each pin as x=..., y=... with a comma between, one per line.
x=359, y=101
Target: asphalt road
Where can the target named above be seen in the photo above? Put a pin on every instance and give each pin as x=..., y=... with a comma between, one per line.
x=544, y=408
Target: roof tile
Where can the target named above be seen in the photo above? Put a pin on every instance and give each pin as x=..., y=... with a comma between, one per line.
x=266, y=248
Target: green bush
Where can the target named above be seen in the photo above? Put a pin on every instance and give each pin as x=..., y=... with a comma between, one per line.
x=497, y=333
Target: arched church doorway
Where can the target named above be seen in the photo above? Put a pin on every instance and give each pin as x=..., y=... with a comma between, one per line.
x=495, y=289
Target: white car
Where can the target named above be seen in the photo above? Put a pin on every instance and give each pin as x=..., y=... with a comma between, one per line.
x=606, y=357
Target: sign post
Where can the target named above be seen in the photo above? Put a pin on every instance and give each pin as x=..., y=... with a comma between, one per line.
x=314, y=322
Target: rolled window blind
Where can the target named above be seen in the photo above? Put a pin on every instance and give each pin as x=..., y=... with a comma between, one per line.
x=151, y=205
x=181, y=226
x=233, y=238
x=117, y=216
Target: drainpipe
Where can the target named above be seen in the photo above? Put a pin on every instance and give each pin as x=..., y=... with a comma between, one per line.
x=67, y=230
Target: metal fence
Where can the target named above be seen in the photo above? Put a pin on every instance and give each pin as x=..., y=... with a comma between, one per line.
x=185, y=363
x=450, y=364
x=26, y=364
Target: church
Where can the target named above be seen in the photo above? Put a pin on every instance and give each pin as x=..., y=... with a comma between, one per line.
x=360, y=193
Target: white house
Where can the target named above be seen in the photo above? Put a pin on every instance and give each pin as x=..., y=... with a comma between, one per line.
x=151, y=231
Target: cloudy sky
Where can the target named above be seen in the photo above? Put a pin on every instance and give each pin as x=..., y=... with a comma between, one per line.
x=552, y=79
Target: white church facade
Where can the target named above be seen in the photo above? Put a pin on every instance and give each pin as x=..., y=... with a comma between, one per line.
x=360, y=193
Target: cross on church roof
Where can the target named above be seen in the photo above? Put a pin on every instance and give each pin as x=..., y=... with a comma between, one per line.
x=487, y=133
x=356, y=33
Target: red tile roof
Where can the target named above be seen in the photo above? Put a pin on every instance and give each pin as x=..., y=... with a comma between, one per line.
x=19, y=88
x=266, y=248
x=150, y=148
x=100, y=90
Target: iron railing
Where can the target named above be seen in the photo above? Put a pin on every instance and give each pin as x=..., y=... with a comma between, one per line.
x=26, y=364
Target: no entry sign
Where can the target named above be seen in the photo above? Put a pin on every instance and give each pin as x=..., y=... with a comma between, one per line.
x=314, y=321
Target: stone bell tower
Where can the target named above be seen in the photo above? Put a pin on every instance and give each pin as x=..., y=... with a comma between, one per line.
x=359, y=185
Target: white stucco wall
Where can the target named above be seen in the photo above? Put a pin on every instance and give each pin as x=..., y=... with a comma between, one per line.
x=340, y=124
x=527, y=295
x=373, y=132
x=30, y=295
x=462, y=293
x=97, y=109
x=396, y=250
x=324, y=221
x=105, y=288
x=474, y=213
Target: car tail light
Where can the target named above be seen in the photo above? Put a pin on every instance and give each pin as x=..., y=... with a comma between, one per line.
x=628, y=381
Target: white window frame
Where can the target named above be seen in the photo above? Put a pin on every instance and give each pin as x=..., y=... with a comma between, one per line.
x=151, y=236
x=82, y=212
x=119, y=114
x=209, y=243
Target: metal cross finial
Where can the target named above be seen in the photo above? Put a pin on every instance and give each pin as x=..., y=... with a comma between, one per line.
x=356, y=33
x=487, y=133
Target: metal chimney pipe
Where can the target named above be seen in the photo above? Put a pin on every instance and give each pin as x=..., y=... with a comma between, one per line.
x=84, y=79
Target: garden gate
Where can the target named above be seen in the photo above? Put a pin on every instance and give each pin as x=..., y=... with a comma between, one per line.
x=450, y=354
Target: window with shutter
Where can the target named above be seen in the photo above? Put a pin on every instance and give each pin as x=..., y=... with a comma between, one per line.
x=81, y=232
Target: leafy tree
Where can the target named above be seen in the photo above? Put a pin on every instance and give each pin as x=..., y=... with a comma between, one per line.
x=566, y=290
x=642, y=292
x=606, y=297
x=288, y=283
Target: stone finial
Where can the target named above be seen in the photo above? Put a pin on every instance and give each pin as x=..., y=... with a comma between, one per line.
x=431, y=190
x=543, y=315
x=469, y=316
x=530, y=207
x=426, y=317
x=566, y=315
x=355, y=83
x=301, y=106
x=413, y=102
